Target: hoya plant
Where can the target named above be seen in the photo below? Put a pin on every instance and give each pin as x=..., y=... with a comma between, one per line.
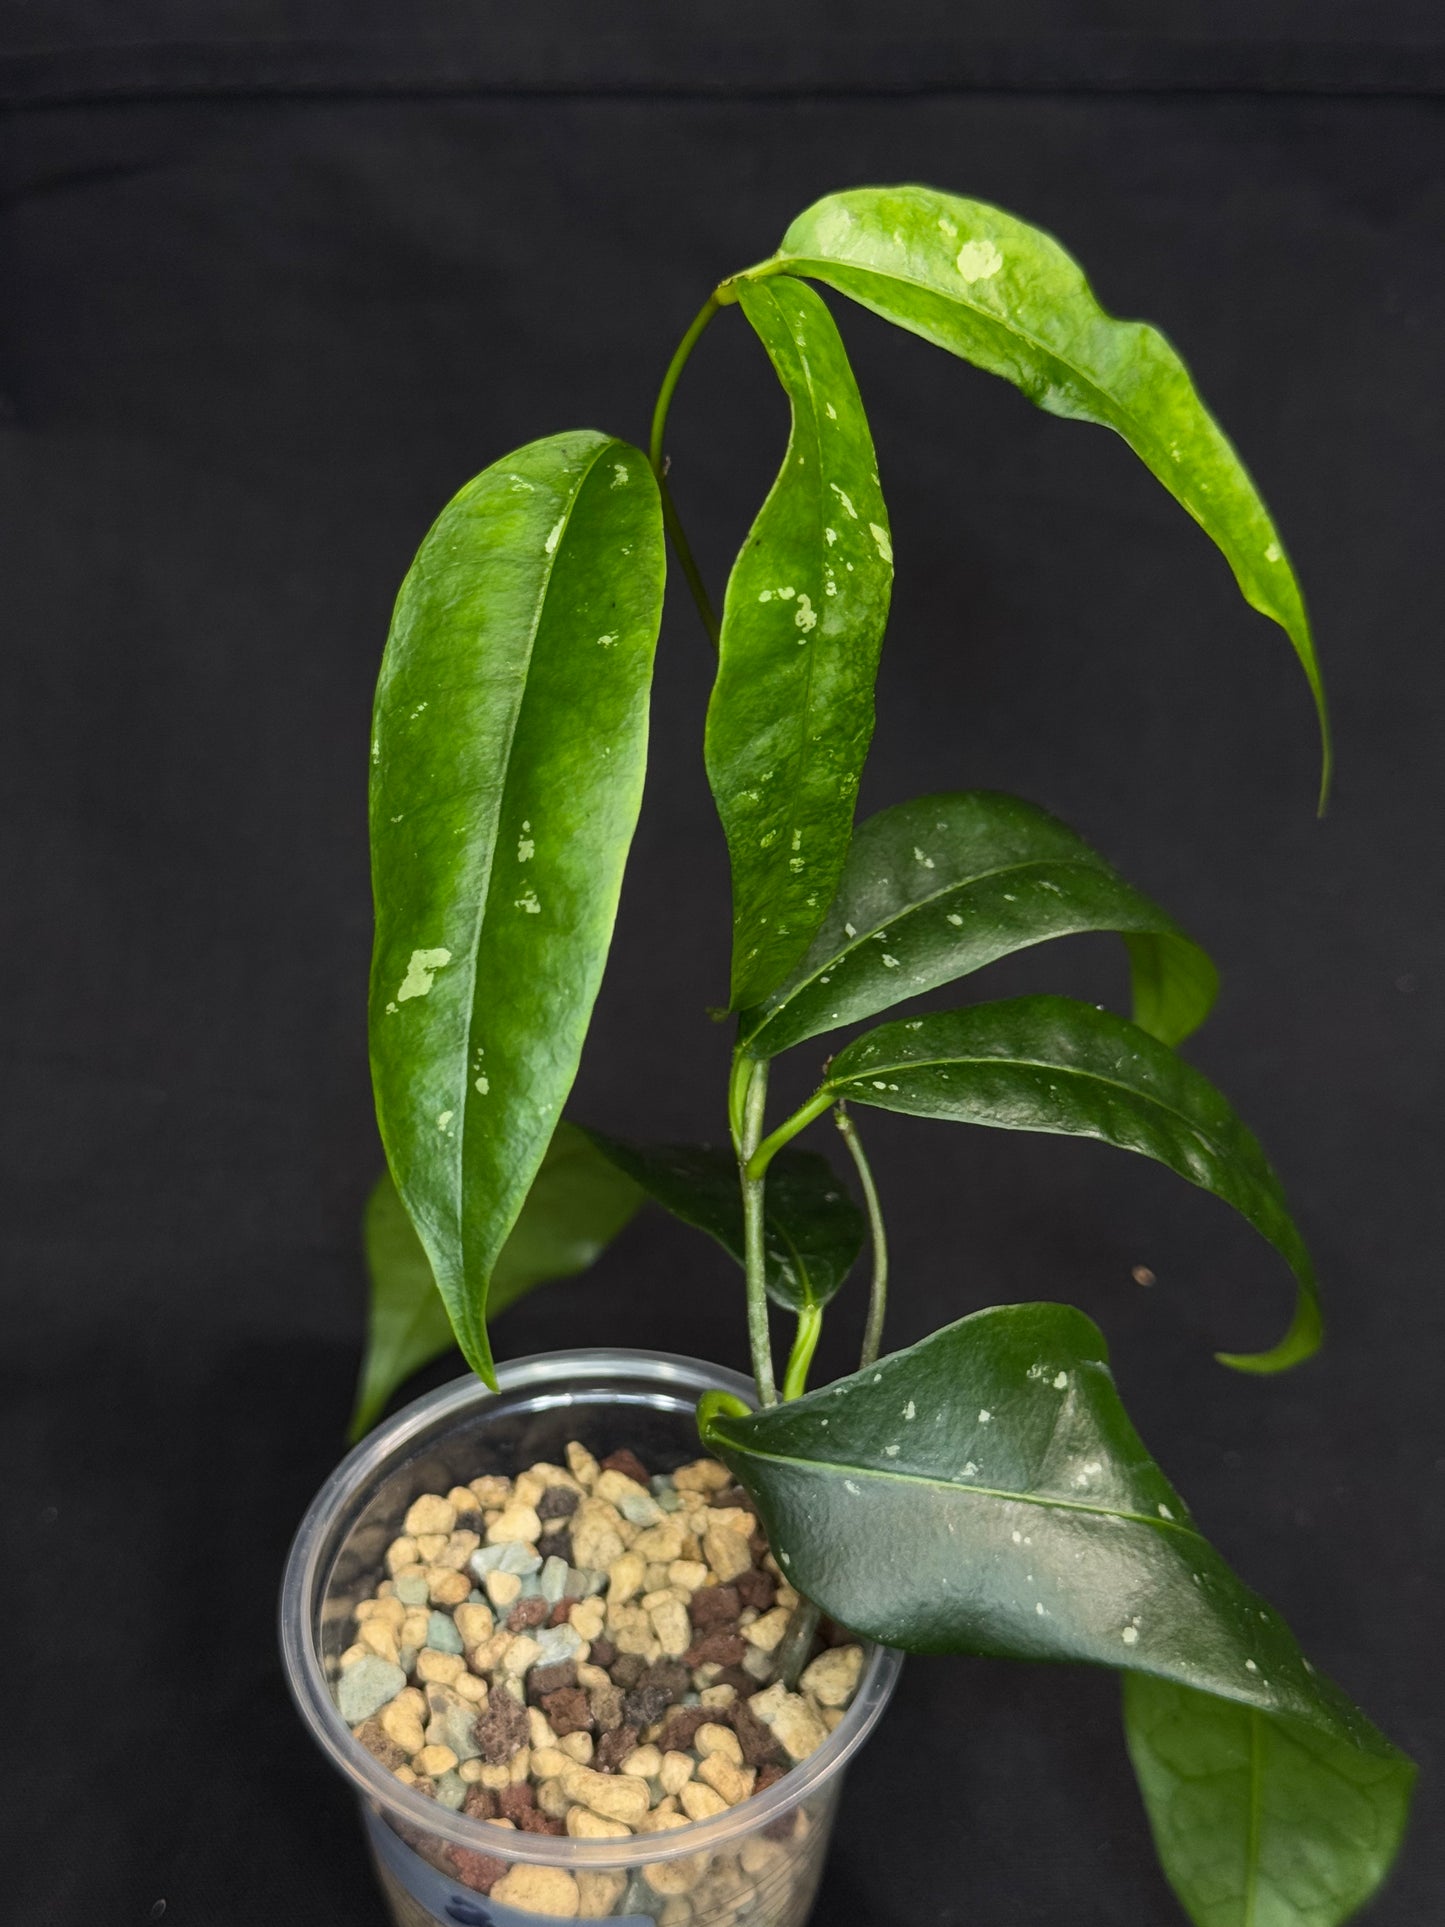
x=984, y=1490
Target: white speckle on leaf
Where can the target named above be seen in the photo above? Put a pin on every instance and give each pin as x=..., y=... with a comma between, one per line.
x=526, y=849
x=550, y=545
x=528, y=902
x=881, y=541
x=1130, y=1635
x=830, y=411
x=481, y=1086
x=796, y=864
x=416, y=712
x=855, y=1490
x=1272, y=553
x=805, y=618
x=765, y=595
x=889, y=963
x=605, y=642
x=969, y=1471
x=1017, y=1537
x=955, y=919
x=848, y=508
x=1250, y=1666
x=919, y=857
x=891, y=1451
x=444, y=1118
x=1164, y=1512
x=978, y=260
x=849, y=931
x=1039, y=1609
x=390, y=1009
x=420, y=973
x=621, y=474
x=786, y=593
x=831, y=535
x=910, y=1410
x=1061, y=1381
x=879, y=1085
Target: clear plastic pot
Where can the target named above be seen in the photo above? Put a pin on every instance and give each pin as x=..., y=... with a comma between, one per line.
x=757, y=1865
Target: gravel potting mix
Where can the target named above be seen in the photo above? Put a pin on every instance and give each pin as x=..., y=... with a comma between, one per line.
x=593, y=1651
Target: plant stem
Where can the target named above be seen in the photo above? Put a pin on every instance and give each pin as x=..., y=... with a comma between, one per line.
x=754, y=1197
x=797, y=1642
x=805, y=1343
x=657, y=458
x=878, y=1295
x=764, y=1153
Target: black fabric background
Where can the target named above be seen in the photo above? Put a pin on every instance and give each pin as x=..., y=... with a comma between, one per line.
x=273, y=287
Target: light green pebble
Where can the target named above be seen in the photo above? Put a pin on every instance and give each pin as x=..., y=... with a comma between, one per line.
x=412, y=1591
x=366, y=1687
x=554, y=1578
x=442, y=1635
x=451, y=1790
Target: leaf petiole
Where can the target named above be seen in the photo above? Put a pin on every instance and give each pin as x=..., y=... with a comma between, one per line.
x=763, y=1154
x=805, y=1343
x=878, y=1291
x=755, y=1098
x=658, y=460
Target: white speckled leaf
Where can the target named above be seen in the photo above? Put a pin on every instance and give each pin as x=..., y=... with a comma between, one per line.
x=508, y=752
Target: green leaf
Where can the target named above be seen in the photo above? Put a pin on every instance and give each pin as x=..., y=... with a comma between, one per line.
x=1051, y=1064
x=1006, y=297
x=1261, y=1822
x=985, y=1492
x=578, y=1203
x=937, y=888
x=791, y=714
x=507, y=764
x=813, y=1231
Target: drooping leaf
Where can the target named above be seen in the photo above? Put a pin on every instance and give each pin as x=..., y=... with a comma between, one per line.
x=813, y=1231
x=578, y=1203
x=791, y=714
x=939, y=887
x=985, y=1492
x=1261, y=1822
x=1006, y=297
x=1052, y=1064
x=507, y=764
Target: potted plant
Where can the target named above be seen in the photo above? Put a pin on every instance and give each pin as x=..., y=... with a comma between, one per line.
x=595, y=1661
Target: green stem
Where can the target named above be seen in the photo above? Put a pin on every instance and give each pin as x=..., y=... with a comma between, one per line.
x=764, y=1153
x=805, y=1343
x=878, y=1295
x=754, y=1260
x=657, y=458
x=738, y=1081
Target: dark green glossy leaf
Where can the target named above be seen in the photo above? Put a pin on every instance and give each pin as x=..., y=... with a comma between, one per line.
x=1052, y=1064
x=985, y=1492
x=937, y=888
x=791, y=714
x=1262, y=1822
x=507, y=764
x=578, y=1203
x=813, y=1230
x=1006, y=297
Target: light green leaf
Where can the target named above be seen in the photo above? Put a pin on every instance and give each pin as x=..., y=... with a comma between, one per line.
x=937, y=888
x=1006, y=297
x=1051, y=1064
x=1262, y=1822
x=812, y=1233
x=791, y=714
x=985, y=1492
x=507, y=763
x=578, y=1203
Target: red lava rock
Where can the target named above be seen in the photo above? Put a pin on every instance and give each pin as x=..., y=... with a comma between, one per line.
x=628, y=1464
x=613, y=1748
x=556, y=1545
x=381, y=1746
x=513, y=1801
x=604, y=1653
x=606, y=1704
x=835, y=1635
x=742, y=1682
x=479, y=1871
x=528, y=1613
x=480, y=1803
x=557, y=1502
x=681, y=1727
x=561, y=1613
x=758, y=1545
x=757, y=1589
x=768, y=1775
x=756, y=1740
x=721, y=1647
x=567, y=1712
x=628, y=1670
x=533, y=1820
x=556, y=1678
x=502, y=1729
x=712, y=1604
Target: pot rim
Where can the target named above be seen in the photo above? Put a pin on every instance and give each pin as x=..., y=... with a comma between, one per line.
x=549, y=1374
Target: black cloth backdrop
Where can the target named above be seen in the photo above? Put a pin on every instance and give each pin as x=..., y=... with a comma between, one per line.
x=274, y=286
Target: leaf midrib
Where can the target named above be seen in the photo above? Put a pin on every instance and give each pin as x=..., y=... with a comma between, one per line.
x=893, y=1476
x=484, y=893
